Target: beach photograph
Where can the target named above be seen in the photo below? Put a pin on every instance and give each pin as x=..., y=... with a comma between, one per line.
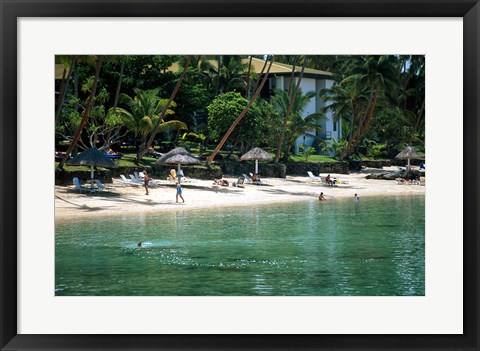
x=240, y=175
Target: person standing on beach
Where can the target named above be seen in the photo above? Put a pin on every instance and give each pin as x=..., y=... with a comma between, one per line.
x=146, y=179
x=356, y=197
x=179, y=192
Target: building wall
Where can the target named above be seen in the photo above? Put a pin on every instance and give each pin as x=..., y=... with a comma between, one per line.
x=314, y=106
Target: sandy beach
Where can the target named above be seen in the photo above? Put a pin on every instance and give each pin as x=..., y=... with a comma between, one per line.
x=200, y=194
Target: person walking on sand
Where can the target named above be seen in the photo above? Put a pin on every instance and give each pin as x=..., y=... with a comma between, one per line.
x=146, y=179
x=179, y=192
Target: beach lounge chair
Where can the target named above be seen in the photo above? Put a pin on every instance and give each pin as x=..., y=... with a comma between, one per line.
x=312, y=177
x=80, y=187
x=139, y=178
x=135, y=180
x=421, y=181
x=240, y=182
x=101, y=186
x=247, y=178
x=172, y=175
x=126, y=181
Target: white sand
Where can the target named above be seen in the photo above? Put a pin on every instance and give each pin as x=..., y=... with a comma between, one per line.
x=128, y=200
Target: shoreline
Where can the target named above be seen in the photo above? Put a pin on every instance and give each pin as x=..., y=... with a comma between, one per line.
x=202, y=194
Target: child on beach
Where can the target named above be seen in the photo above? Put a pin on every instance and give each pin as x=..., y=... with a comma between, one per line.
x=179, y=192
x=146, y=179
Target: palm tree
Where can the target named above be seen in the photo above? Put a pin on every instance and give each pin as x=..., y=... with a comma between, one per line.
x=296, y=124
x=71, y=64
x=286, y=112
x=146, y=145
x=99, y=62
x=376, y=73
x=347, y=102
x=143, y=112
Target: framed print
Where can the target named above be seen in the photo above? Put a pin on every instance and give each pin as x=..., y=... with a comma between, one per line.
x=47, y=272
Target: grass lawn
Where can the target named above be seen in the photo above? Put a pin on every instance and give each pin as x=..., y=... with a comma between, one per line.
x=127, y=160
x=311, y=158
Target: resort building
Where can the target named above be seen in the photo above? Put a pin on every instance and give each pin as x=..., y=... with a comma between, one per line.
x=312, y=80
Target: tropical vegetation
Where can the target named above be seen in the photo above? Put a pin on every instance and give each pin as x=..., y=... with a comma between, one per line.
x=219, y=104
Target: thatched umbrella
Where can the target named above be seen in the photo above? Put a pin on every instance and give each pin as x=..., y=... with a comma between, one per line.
x=178, y=156
x=256, y=154
x=407, y=154
x=94, y=158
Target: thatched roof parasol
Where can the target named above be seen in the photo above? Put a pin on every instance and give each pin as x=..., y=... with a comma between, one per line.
x=92, y=157
x=407, y=154
x=178, y=156
x=182, y=159
x=256, y=154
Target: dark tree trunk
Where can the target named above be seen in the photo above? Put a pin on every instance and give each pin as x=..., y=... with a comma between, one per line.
x=239, y=118
x=86, y=113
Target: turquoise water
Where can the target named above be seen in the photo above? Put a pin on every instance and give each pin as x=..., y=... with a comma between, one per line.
x=373, y=247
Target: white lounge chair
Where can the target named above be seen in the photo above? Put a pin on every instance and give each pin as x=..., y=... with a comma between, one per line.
x=101, y=186
x=135, y=180
x=140, y=179
x=313, y=177
x=80, y=187
x=247, y=178
x=126, y=181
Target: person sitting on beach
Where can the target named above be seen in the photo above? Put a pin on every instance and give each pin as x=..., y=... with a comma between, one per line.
x=328, y=180
x=321, y=197
x=222, y=182
x=256, y=178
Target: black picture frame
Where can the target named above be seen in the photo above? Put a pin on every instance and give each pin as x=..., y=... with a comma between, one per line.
x=11, y=10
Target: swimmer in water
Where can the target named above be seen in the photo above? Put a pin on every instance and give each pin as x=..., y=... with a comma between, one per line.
x=139, y=244
x=322, y=197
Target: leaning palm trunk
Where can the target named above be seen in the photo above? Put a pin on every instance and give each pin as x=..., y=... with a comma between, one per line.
x=362, y=128
x=63, y=89
x=115, y=102
x=85, y=114
x=239, y=118
x=255, y=87
x=287, y=114
x=247, y=91
x=145, y=146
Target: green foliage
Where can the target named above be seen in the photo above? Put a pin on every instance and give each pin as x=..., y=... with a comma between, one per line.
x=338, y=147
x=375, y=150
x=297, y=125
x=306, y=151
x=142, y=111
x=225, y=109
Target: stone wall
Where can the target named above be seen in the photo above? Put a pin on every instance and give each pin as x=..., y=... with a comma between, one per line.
x=235, y=169
x=301, y=169
x=158, y=172
x=268, y=170
x=376, y=163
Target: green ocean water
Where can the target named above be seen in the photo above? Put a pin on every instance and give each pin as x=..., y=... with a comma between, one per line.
x=339, y=248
